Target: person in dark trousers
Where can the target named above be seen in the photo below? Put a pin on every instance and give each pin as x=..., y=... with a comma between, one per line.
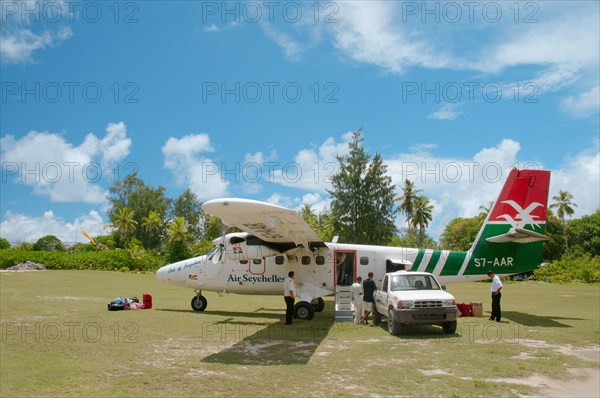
x=289, y=295
x=496, y=295
x=369, y=288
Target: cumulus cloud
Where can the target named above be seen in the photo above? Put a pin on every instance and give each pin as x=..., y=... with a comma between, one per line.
x=25, y=228
x=184, y=158
x=313, y=168
x=30, y=26
x=61, y=170
x=583, y=104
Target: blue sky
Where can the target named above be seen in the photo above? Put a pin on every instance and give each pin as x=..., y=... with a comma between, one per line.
x=255, y=100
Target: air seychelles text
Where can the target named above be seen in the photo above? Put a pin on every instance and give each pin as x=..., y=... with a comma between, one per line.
x=254, y=279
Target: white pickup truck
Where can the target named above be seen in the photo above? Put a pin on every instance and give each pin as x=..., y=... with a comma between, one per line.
x=414, y=298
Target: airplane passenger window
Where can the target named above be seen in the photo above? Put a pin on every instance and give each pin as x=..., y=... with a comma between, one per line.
x=320, y=260
x=279, y=260
x=244, y=262
x=305, y=260
x=364, y=260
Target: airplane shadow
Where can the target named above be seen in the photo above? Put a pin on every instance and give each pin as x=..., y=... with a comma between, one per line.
x=275, y=344
x=536, y=320
x=274, y=313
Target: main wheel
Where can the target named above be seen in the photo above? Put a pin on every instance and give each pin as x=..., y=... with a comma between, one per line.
x=376, y=317
x=393, y=326
x=318, y=304
x=449, y=327
x=304, y=310
x=199, y=303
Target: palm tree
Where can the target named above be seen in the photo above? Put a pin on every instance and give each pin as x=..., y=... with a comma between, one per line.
x=564, y=206
x=407, y=206
x=422, y=215
x=124, y=222
x=178, y=231
x=309, y=216
x=152, y=224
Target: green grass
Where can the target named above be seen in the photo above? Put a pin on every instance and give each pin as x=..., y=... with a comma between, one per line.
x=58, y=339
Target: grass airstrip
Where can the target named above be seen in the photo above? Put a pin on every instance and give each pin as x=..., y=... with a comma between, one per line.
x=58, y=339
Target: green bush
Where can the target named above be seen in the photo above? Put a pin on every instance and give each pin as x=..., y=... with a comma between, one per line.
x=107, y=260
x=578, y=267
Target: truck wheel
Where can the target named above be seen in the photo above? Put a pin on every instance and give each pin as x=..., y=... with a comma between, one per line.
x=304, y=310
x=449, y=327
x=393, y=327
x=318, y=304
x=376, y=317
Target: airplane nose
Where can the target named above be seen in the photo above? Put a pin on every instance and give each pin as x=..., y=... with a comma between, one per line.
x=160, y=274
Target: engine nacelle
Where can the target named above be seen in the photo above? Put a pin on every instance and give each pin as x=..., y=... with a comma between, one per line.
x=242, y=246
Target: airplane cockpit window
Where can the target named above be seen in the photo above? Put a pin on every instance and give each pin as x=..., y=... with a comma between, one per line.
x=211, y=253
x=236, y=239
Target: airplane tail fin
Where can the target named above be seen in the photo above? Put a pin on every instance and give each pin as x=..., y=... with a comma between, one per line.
x=511, y=238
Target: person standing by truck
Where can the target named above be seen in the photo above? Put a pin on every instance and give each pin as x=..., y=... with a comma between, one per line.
x=496, y=295
x=357, y=298
x=369, y=288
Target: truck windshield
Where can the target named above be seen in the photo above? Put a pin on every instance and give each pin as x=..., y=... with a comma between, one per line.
x=413, y=282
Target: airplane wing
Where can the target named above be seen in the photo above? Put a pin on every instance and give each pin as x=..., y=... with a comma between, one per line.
x=266, y=221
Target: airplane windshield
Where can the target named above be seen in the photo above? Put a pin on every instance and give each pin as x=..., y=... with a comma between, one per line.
x=413, y=282
x=211, y=253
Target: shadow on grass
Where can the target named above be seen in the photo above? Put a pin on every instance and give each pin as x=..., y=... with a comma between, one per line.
x=259, y=313
x=537, y=320
x=275, y=344
x=421, y=332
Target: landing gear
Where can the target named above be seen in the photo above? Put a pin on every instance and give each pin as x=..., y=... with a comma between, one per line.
x=304, y=310
x=199, y=303
x=318, y=304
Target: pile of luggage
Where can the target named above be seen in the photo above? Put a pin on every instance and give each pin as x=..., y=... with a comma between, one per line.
x=132, y=303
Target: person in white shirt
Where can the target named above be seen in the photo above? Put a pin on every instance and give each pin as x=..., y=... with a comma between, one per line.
x=289, y=295
x=496, y=295
x=357, y=293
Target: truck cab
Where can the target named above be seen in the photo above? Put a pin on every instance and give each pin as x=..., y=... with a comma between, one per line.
x=414, y=298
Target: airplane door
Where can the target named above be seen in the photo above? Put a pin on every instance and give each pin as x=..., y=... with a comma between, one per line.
x=257, y=266
x=344, y=267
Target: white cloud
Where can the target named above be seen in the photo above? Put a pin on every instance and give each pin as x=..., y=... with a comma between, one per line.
x=580, y=176
x=446, y=112
x=29, y=26
x=24, y=228
x=183, y=157
x=292, y=48
x=583, y=104
x=61, y=171
x=369, y=32
x=313, y=168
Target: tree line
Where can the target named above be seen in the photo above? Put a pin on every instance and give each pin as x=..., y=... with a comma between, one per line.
x=155, y=229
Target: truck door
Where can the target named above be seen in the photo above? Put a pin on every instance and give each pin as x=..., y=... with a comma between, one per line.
x=381, y=297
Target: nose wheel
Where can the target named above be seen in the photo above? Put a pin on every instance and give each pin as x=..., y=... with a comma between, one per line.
x=199, y=302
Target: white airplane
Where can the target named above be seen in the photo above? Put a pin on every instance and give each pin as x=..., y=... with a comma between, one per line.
x=278, y=240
